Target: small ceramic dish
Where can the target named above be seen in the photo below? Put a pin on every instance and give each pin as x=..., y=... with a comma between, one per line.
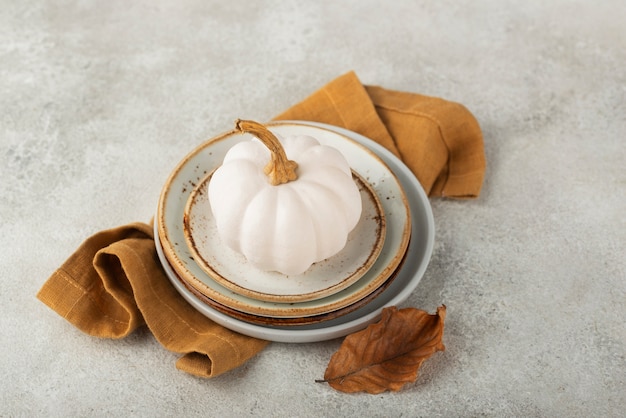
x=324, y=278
x=209, y=155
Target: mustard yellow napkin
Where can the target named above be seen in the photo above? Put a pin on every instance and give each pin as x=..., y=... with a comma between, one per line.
x=439, y=140
x=114, y=281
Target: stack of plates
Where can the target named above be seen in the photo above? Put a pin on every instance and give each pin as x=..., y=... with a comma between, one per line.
x=382, y=263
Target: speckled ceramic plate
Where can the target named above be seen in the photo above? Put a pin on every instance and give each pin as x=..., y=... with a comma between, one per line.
x=324, y=278
x=208, y=156
x=406, y=280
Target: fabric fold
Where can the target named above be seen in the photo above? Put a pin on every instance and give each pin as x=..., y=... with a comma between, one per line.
x=115, y=283
x=343, y=102
x=439, y=140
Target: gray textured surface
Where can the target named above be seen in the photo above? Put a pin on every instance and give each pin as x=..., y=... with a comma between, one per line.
x=99, y=101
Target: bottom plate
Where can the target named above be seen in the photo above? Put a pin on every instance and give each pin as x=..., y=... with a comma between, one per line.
x=419, y=253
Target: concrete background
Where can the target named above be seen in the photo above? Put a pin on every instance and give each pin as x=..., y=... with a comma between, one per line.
x=100, y=100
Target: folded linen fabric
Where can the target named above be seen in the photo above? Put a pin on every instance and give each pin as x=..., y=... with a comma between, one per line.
x=439, y=140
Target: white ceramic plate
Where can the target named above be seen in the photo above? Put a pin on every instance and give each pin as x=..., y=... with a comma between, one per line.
x=208, y=156
x=324, y=278
x=409, y=276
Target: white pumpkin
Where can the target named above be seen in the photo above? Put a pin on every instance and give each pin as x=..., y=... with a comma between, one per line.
x=287, y=214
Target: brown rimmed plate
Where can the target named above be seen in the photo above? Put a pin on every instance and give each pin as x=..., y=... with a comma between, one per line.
x=324, y=278
x=209, y=155
x=404, y=284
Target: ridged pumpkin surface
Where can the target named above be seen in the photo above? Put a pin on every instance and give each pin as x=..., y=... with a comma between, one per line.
x=290, y=226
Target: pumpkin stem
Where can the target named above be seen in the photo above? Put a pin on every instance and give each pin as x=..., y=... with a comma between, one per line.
x=280, y=169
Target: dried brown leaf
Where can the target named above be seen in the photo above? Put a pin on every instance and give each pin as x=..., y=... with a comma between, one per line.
x=388, y=354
